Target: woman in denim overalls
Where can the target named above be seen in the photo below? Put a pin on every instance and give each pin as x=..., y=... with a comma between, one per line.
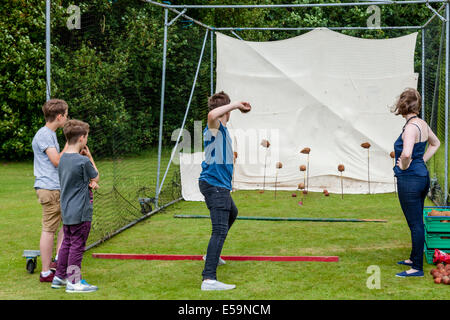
x=413, y=180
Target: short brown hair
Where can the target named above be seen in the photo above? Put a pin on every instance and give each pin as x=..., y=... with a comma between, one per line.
x=409, y=101
x=74, y=129
x=53, y=107
x=217, y=100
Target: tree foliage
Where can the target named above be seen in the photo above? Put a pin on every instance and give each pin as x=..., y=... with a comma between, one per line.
x=109, y=71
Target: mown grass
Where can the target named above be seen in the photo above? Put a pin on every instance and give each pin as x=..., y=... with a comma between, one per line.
x=358, y=245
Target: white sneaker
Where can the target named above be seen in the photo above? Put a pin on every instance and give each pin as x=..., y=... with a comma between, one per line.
x=209, y=285
x=58, y=283
x=221, y=261
x=80, y=286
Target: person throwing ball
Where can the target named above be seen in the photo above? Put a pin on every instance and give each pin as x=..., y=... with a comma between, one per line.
x=215, y=183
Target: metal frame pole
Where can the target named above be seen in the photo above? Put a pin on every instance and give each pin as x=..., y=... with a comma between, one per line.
x=212, y=62
x=176, y=18
x=187, y=110
x=447, y=60
x=161, y=114
x=312, y=28
x=423, y=74
x=180, y=14
x=47, y=49
x=434, y=11
x=298, y=5
x=434, y=16
x=236, y=35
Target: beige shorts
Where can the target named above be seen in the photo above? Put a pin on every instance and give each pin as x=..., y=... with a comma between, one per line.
x=51, y=209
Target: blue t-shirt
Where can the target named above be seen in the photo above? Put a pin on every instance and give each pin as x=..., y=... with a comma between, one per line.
x=45, y=172
x=217, y=169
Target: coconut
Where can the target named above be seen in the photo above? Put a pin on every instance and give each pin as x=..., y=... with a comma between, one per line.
x=436, y=274
x=392, y=154
x=301, y=186
x=433, y=213
x=341, y=168
x=279, y=165
x=265, y=143
x=306, y=150
x=365, y=145
x=302, y=167
x=439, y=213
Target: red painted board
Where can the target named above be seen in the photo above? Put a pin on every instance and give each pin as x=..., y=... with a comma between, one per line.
x=126, y=256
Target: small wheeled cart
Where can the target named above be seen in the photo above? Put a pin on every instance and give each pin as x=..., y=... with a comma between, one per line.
x=31, y=262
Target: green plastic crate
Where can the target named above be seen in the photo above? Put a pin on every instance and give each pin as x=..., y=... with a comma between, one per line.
x=429, y=253
x=437, y=240
x=436, y=224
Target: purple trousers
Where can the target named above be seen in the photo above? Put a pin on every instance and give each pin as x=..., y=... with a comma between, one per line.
x=71, y=252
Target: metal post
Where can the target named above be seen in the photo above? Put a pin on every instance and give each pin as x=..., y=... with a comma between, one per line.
x=47, y=49
x=434, y=16
x=434, y=11
x=236, y=35
x=312, y=28
x=180, y=14
x=298, y=5
x=187, y=110
x=176, y=18
x=161, y=114
x=447, y=34
x=212, y=62
x=423, y=74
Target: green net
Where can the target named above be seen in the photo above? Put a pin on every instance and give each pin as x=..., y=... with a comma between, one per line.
x=434, y=102
x=106, y=63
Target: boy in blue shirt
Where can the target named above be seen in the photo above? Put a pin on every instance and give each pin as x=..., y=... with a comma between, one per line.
x=215, y=183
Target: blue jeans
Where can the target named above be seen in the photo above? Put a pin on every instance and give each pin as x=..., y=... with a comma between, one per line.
x=412, y=191
x=223, y=213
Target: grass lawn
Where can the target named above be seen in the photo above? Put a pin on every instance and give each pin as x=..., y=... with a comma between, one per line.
x=358, y=245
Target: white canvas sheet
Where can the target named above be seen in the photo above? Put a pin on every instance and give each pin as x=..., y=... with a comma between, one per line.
x=190, y=169
x=323, y=90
